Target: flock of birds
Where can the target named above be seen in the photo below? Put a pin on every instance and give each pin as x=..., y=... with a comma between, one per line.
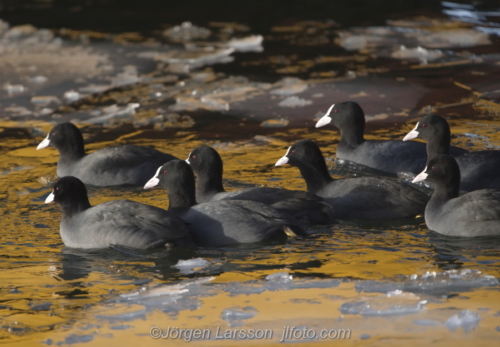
x=202, y=213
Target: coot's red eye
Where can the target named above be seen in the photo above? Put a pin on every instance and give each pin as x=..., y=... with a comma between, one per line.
x=293, y=151
x=424, y=125
x=164, y=172
x=433, y=168
x=193, y=157
x=336, y=111
x=57, y=188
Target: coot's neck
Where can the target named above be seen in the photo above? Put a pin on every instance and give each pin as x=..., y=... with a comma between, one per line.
x=72, y=150
x=74, y=206
x=181, y=197
x=352, y=132
x=315, y=174
x=445, y=191
x=439, y=144
x=209, y=183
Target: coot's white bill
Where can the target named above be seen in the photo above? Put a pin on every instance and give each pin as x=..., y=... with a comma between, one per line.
x=326, y=119
x=421, y=176
x=44, y=143
x=153, y=182
x=50, y=198
x=284, y=159
x=412, y=134
x=189, y=155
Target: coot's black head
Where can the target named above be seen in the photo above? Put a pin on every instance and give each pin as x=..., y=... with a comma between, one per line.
x=66, y=137
x=71, y=194
x=430, y=128
x=205, y=160
x=177, y=177
x=307, y=156
x=441, y=170
x=344, y=115
x=302, y=152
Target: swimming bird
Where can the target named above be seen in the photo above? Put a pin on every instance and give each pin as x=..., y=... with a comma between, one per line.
x=220, y=223
x=119, y=222
x=208, y=167
x=473, y=214
x=389, y=156
x=362, y=197
x=478, y=169
x=112, y=166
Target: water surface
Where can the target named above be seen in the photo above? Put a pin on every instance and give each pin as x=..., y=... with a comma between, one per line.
x=386, y=282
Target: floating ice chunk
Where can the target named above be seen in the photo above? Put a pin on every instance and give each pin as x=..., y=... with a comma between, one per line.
x=186, y=32
x=38, y=79
x=196, y=58
x=357, y=41
x=235, y=315
x=189, y=266
x=45, y=100
x=244, y=288
x=279, y=277
x=128, y=76
x=466, y=319
x=166, y=290
x=489, y=30
x=4, y=26
x=94, y=88
x=426, y=322
x=393, y=303
x=138, y=313
x=433, y=282
x=454, y=38
x=190, y=104
x=115, y=112
x=247, y=44
x=294, y=101
x=72, y=95
x=424, y=55
x=18, y=111
x=289, y=86
x=14, y=88
x=20, y=31
x=279, y=280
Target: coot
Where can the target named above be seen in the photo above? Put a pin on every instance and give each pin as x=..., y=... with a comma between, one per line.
x=207, y=165
x=388, y=156
x=478, y=170
x=119, y=222
x=220, y=223
x=473, y=214
x=118, y=165
x=363, y=197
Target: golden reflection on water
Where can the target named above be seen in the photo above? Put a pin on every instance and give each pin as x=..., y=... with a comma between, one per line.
x=35, y=263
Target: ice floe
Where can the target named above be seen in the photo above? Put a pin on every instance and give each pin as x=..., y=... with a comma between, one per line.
x=393, y=303
x=433, y=283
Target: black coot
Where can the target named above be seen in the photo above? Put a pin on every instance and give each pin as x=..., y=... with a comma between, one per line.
x=119, y=222
x=363, y=197
x=389, y=156
x=220, y=223
x=118, y=165
x=478, y=170
x=473, y=214
x=207, y=165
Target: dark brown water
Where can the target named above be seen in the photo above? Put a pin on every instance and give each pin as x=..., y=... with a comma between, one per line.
x=138, y=82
